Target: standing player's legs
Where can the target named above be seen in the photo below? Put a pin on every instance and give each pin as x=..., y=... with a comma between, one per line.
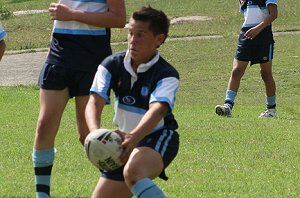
x=52, y=105
x=238, y=70
x=265, y=53
x=83, y=129
x=267, y=76
x=270, y=86
x=81, y=84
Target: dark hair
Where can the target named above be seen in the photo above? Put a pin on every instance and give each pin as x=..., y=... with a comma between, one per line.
x=158, y=20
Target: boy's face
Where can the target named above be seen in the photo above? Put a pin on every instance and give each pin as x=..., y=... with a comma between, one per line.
x=142, y=43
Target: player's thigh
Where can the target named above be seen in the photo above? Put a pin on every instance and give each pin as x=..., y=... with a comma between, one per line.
x=107, y=188
x=144, y=162
x=52, y=105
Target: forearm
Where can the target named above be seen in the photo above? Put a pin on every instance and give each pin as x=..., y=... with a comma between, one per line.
x=93, y=113
x=149, y=120
x=271, y=17
x=107, y=19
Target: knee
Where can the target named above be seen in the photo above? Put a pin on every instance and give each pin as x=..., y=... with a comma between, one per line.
x=266, y=75
x=131, y=175
x=237, y=72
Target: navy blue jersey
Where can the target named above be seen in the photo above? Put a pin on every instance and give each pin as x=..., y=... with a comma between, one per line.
x=155, y=81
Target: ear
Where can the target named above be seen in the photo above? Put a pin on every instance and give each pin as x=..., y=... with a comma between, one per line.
x=160, y=39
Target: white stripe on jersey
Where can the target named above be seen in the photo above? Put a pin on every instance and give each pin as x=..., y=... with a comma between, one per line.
x=127, y=117
x=101, y=83
x=77, y=28
x=165, y=91
x=2, y=32
x=254, y=14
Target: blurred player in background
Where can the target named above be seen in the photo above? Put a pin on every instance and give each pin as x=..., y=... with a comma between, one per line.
x=2, y=42
x=80, y=41
x=255, y=45
x=145, y=87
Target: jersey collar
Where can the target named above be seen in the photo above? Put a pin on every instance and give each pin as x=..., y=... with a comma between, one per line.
x=142, y=67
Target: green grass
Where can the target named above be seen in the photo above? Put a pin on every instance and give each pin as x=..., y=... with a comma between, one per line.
x=241, y=156
x=33, y=31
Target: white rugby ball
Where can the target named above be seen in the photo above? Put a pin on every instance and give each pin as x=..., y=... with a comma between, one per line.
x=102, y=147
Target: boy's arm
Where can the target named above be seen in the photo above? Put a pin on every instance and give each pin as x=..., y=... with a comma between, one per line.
x=93, y=111
x=113, y=18
x=156, y=111
x=253, y=32
x=2, y=48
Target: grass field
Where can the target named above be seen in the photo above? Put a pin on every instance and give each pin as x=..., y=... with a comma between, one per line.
x=238, y=157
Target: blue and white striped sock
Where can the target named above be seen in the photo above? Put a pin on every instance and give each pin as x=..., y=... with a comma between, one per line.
x=271, y=102
x=230, y=97
x=43, y=162
x=146, y=188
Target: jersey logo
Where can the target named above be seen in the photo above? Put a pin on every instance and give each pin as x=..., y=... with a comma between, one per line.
x=145, y=91
x=128, y=100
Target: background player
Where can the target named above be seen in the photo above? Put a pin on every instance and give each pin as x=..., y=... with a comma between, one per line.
x=256, y=45
x=2, y=42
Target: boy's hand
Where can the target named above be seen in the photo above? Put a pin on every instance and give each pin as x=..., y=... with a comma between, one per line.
x=252, y=32
x=60, y=12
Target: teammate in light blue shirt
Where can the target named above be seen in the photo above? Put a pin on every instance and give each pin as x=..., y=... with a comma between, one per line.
x=255, y=45
x=145, y=87
x=2, y=42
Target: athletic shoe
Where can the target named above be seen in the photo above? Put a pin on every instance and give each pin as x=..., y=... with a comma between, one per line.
x=268, y=113
x=223, y=110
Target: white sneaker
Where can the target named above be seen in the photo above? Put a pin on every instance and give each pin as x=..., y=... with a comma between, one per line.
x=223, y=110
x=268, y=113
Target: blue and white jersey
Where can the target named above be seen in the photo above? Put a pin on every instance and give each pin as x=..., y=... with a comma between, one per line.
x=155, y=81
x=78, y=28
x=78, y=45
x=255, y=11
x=2, y=32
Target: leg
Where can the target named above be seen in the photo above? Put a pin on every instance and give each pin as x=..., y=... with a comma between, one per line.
x=52, y=104
x=266, y=75
x=270, y=86
x=143, y=165
x=83, y=130
x=107, y=188
x=238, y=70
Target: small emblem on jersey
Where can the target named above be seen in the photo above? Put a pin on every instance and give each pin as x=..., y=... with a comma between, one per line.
x=149, y=140
x=128, y=100
x=145, y=91
x=265, y=58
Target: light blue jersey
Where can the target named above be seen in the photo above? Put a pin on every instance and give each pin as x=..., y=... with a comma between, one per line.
x=78, y=28
x=255, y=11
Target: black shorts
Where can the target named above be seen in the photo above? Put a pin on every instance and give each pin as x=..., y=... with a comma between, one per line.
x=53, y=77
x=255, y=53
x=165, y=142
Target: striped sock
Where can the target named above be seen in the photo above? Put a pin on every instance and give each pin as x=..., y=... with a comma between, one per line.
x=145, y=188
x=42, y=162
x=271, y=102
x=230, y=97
